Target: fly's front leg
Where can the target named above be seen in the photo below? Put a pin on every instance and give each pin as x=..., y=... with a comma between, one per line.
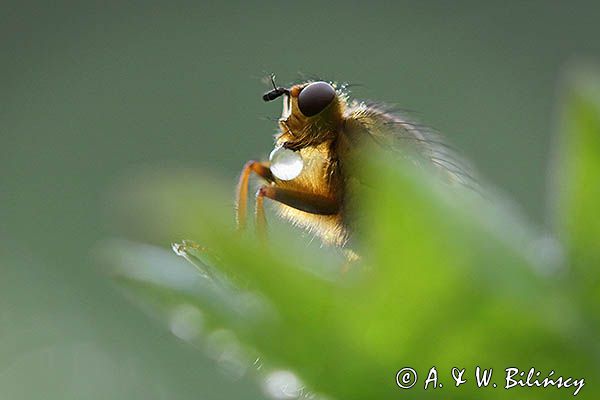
x=303, y=201
x=260, y=222
x=259, y=168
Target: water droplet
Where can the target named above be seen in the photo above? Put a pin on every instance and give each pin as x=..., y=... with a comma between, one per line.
x=286, y=164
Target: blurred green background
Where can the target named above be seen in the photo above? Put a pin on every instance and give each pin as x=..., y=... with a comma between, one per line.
x=91, y=91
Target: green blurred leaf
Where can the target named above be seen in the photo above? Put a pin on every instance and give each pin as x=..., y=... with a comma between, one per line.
x=449, y=279
x=579, y=176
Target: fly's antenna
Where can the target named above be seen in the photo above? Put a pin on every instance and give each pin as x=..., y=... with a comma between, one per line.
x=276, y=92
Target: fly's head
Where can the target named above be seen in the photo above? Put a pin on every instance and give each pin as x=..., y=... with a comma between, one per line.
x=312, y=113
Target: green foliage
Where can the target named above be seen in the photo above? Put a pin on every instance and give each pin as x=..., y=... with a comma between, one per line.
x=579, y=170
x=448, y=279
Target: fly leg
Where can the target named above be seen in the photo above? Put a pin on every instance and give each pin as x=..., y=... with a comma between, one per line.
x=259, y=168
x=303, y=201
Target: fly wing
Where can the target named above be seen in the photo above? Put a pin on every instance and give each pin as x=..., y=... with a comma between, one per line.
x=398, y=134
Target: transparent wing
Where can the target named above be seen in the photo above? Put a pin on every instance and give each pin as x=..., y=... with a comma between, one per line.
x=394, y=132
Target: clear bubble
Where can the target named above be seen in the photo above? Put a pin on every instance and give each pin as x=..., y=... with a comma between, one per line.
x=286, y=164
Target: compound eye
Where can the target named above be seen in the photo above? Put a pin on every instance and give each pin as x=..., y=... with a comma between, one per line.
x=315, y=97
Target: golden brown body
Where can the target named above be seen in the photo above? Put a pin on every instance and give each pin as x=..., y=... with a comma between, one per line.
x=320, y=125
x=319, y=176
